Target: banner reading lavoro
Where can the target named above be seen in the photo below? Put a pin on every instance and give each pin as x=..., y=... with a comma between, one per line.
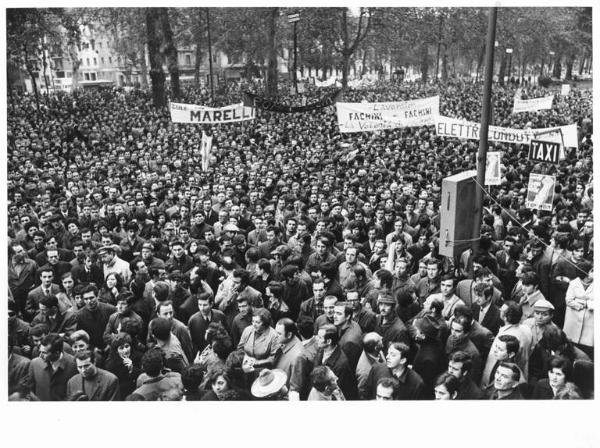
x=532, y=105
x=364, y=117
x=190, y=113
x=452, y=127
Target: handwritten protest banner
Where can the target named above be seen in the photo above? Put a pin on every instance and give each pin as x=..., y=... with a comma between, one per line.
x=362, y=117
x=532, y=105
x=540, y=192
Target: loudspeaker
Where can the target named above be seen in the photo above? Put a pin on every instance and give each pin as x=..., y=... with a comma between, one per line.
x=456, y=213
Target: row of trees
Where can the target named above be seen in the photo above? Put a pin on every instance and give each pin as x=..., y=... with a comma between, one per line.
x=438, y=41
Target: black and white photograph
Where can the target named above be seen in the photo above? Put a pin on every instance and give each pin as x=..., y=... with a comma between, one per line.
x=297, y=203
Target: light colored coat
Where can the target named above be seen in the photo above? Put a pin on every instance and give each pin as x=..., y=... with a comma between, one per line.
x=579, y=317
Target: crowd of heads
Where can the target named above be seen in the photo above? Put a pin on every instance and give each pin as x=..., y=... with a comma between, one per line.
x=122, y=250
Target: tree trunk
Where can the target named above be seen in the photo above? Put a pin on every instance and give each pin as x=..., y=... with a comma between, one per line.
x=445, y=64
x=557, y=67
x=143, y=67
x=345, y=68
x=33, y=82
x=480, y=61
x=439, y=47
x=542, y=67
x=424, y=63
x=570, y=62
x=198, y=42
x=581, y=64
x=171, y=53
x=363, y=70
x=272, y=63
x=502, y=67
x=75, y=64
x=157, y=75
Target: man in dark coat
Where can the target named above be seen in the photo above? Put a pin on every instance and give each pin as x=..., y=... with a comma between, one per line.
x=396, y=366
x=506, y=383
x=50, y=372
x=459, y=365
x=198, y=323
x=94, y=316
x=349, y=331
x=429, y=360
x=388, y=323
x=331, y=354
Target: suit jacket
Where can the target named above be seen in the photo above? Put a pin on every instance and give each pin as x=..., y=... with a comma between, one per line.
x=65, y=323
x=338, y=363
x=35, y=295
x=49, y=385
x=395, y=331
x=103, y=387
x=491, y=320
x=411, y=383
x=482, y=337
x=198, y=325
x=542, y=390
x=351, y=342
x=18, y=372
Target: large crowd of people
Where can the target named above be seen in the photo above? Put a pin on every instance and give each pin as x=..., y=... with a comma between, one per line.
x=303, y=264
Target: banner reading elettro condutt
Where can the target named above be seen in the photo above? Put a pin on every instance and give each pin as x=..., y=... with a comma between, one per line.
x=190, y=113
x=453, y=127
x=532, y=105
x=364, y=117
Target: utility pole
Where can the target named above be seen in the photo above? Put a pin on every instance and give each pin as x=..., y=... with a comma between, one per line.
x=210, y=67
x=295, y=18
x=485, y=121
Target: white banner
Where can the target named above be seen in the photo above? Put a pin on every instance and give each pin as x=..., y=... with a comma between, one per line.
x=492, y=168
x=540, y=192
x=361, y=117
x=190, y=113
x=326, y=83
x=453, y=127
x=565, y=89
x=532, y=105
x=205, y=146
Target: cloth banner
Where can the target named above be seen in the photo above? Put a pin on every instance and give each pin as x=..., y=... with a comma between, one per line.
x=260, y=102
x=190, y=113
x=565, y=89
x=453, y=127
x=205, y=146
x=532, y=105
x=326, y=83
x=492, y=168
x=361, y=117
x=540, y=192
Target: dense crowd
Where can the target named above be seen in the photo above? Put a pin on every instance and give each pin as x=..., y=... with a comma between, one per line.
x=303, y=264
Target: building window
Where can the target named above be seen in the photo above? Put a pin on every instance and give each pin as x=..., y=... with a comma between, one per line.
x=110, y=60
x=119, y=60
x=69, y=74
x=93, y=76
x=93, y=43
x=102, y=61
x=87, y=76
x=95, y=61
x=188, y=59
x=87, y=61
x=99, y=45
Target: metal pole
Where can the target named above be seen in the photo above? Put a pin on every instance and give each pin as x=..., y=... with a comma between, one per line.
x=295, y=57
x=210, y=67
x=485, y=117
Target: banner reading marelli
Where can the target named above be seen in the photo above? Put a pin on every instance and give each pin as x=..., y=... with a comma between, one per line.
x=190, y=113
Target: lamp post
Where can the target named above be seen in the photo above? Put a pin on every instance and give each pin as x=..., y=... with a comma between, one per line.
x=295, y=18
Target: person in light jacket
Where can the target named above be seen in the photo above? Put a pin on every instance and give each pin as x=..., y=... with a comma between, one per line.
x=579, y=317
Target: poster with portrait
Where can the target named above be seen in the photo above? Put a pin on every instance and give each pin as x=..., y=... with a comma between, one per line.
x=540, y=192
x=492, y=168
